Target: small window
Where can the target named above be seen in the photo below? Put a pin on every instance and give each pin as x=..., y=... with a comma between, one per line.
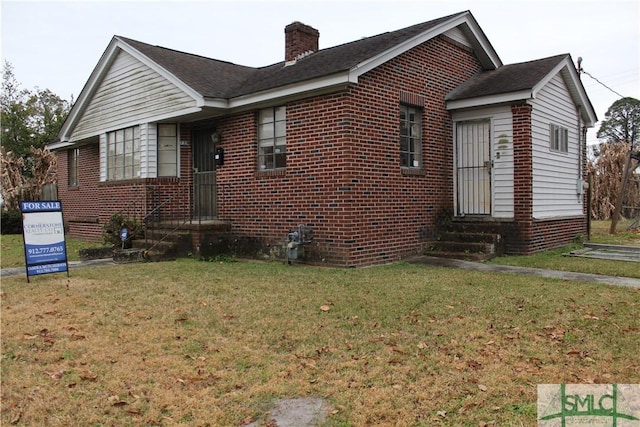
x=72, y=162
x=167, y=149
x=123, y=154
x=559, y=138
x=272, y=138
x=410, y=137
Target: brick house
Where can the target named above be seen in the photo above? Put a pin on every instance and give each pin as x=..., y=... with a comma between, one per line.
x=377, y=145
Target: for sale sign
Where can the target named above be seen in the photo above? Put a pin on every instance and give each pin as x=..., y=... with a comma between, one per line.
x=45, y=249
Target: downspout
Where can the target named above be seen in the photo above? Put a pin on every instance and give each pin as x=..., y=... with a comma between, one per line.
x=581, y=148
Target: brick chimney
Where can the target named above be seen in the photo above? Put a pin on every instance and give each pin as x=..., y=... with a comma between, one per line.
x=299, y=39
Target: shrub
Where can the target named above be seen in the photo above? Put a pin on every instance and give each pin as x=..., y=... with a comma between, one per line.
x=11, y=222
x=111, y=230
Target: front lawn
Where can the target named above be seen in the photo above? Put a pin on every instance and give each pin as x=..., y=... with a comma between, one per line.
x=13, y=249
x=196, y=343
x=555, y=259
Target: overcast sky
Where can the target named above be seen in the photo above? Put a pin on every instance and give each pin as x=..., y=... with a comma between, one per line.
x=56, y=44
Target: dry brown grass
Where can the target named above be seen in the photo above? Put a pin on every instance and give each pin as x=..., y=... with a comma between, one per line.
x=193, y=343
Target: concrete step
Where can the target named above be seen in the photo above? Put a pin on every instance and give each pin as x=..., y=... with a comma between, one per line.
x=463, y=246
x=467, y=256
x=128, y=255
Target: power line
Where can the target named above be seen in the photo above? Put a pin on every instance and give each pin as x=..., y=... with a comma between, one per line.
x=583, y=71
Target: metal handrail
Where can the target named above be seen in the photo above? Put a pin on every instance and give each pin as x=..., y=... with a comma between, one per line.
x=154, y=218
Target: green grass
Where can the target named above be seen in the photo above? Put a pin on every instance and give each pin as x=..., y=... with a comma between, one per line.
x=197, y=343
x=555, y=260
x=622, y=236
x=12, y=254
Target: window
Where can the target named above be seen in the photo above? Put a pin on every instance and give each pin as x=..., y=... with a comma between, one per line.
x=167, y=149
x=410, y=137
x=72, y=163
x=272, y=138
x=123, y=158
x=559, y=138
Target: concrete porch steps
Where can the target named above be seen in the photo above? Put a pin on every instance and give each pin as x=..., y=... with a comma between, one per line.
x=467, y=241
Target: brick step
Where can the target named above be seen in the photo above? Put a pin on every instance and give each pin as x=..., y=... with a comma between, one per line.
x=453, y=236
x=166, y=234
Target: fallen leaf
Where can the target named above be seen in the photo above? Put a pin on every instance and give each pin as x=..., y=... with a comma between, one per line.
x=88, y=376
x=442, y=414
x=248, y=420
x=422, y=345
x=483, y=387
x=325, y=308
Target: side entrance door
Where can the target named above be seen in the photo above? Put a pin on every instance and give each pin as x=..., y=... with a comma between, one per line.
x=473, y=164
x=204, y=175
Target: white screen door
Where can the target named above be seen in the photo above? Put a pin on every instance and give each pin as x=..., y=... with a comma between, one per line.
x=473, y=159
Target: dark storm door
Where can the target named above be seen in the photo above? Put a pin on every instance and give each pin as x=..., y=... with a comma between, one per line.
x=204, y=175
x=473, y=159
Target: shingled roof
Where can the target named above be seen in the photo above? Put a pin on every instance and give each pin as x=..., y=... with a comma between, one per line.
x=213, y=78
x=507, y=79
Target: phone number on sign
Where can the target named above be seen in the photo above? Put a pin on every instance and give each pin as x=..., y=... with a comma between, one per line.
x=41, y=251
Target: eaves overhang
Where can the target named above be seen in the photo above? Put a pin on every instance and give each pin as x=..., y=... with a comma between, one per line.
x=481, y=101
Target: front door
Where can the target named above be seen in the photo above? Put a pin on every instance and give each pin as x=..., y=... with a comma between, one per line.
x=473, y=160
x=204, y=175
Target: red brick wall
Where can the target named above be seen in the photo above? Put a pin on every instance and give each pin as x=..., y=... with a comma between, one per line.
x=88, y=206
x=343, y=175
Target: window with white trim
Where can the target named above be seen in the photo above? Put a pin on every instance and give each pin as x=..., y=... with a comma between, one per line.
x=72, y=166
x=410, y=137
x=123, y=154
x=559, y=138
x=167, y=149
x=272, y=138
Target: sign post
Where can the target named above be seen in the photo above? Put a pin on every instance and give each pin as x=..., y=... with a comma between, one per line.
x=45, y=249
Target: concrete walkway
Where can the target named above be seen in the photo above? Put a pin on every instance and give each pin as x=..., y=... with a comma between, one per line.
x=427, y=260
x=553, y=274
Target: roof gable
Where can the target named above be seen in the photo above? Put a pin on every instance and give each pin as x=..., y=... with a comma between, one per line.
x=521, y=81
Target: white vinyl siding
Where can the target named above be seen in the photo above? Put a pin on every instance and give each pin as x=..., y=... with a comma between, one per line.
x=502, y=155
x=555, y=172
x=167, y=149
x=457, y=35
x=149, y=150
x=129, y=93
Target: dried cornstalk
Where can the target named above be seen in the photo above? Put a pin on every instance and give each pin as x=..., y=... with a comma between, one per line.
x=606, y=181
x=22, y=179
